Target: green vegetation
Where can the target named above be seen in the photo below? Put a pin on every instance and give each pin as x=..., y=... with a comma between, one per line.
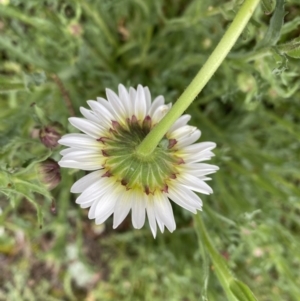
x=55, y=55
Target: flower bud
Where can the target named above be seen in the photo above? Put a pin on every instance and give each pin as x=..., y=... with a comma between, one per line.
x=49, y=173
x=50, y=134
x=75, y=29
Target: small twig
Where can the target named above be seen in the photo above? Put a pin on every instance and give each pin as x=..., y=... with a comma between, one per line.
x=64, y=93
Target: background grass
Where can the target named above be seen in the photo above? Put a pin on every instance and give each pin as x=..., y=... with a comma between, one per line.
x=53, y=52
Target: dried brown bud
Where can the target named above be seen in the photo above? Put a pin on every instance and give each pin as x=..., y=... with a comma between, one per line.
x=49, y=173
x=50, y=134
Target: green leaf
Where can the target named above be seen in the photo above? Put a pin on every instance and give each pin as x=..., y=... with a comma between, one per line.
x=8, y=84
x=34, y=79
x=291, y=48
x=241, y=291
x=273, y=33
x=24, y=189
x=33, y=187
x=281, y=61
x=268, y=6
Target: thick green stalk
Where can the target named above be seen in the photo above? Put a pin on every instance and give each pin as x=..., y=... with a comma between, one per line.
x=150, y=142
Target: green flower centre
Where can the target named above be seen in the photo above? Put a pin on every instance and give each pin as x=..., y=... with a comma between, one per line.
x=147, y=174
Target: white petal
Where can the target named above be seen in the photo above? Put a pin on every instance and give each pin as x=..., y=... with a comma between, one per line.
x=151, y=217
x=140, y=108
x=183, y=131
x=148, y=98
x=81, y=141
x=116, y=105
x=87, y=204
x=68, y=151
x=104, y=114
x=163, y=210
x=122, y=208
x=158, y=101
x=181, y=201
x=180, y=122
x=160, y=113
x=87, y=126
x=106, y=109
x=194, y=183
x=188, y=139
x=90, y=115
x=198, y=147
x=95, y=190
x=200, y=166
x=160, y=224
x=198, y=169
x=132, y=94
x=103, y=205
x=91, y=214
x=124, y=97
x=80, y=165
x=84, y=156
x=101, y=219
x=184, y=197
x=105, y=208
x=138, y=210
x=83, y=183
x=203, y=156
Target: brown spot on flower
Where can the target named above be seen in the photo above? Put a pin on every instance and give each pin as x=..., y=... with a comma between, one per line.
x=115, y=125
x=147, y=122
x=133, y=119
x=107, y=174
x=179, y=160
x=147, y=190
x=124, y=182
x=103, y=139
x=165, y=189
x=112, y=131
x=104, y=153
x=172, y=142
x=173, y=176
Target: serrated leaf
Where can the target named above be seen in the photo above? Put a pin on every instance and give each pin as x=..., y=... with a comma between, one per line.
x=22, y=189
x=291, y=48
x=33, y=187
x=281, y=60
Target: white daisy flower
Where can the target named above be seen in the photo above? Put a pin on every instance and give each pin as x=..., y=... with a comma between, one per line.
x=122, y=181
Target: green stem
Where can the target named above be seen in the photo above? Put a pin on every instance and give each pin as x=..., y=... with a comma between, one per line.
x=235, y=290
x=150, y=142
x=220, y=267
